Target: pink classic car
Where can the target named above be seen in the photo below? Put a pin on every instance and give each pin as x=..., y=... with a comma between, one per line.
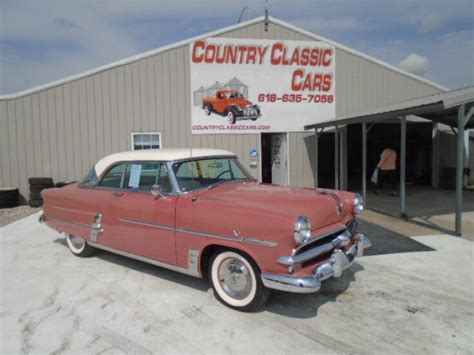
x=201, y=213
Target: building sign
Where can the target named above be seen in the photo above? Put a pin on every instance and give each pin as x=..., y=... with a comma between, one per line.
x=253, y=86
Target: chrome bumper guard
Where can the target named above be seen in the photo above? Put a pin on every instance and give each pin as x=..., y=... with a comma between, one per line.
x=338, y=262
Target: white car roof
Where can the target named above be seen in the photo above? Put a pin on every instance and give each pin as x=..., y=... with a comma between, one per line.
x=159, y=155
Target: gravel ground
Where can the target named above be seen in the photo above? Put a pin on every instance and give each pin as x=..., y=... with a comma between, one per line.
x=9, y=215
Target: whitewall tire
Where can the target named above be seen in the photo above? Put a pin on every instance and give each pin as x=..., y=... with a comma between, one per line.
x=231, y=117
x=79, y=246
x=236, y=281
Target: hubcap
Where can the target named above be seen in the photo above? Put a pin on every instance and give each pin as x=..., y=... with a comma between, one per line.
x=77, y=242
x=230, y=116
x=235, y=278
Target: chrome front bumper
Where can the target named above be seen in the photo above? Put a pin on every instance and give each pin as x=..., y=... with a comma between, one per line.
x=338, y=262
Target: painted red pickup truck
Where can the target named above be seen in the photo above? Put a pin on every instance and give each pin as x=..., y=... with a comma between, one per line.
x=231, y=104
x=201, y=213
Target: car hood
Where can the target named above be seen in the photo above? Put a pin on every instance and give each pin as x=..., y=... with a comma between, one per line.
x=286, y=202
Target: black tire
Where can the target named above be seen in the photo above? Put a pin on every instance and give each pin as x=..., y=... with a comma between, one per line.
x=258, y=293
x=83, y=250
x=39, y=188
x=35, y=196
x=35, y=203
x=41, y=181
x=65, y=183
x=8, y=197
x=207, y=109
x=258, y=114
x=231, y=116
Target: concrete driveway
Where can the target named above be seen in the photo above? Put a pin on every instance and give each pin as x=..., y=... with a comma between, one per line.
x=52, y=302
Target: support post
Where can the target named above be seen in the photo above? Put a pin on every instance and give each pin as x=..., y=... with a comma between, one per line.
x=336, y=157
x=343, y=158
x=460, y=169
x=435, y=138
x=364, y=162
x=316, y=158
x=403, y=136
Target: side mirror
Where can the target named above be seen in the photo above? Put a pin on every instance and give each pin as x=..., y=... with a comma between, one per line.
x=157, y=191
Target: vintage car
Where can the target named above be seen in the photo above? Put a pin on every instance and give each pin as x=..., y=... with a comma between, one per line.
x=231, y=104
x=199, y=212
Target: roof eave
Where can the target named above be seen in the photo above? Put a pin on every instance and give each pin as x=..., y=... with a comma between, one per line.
x=381, y=116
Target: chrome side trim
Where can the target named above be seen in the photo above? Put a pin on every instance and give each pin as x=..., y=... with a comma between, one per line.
x=146, y=260
x=337, y=263
x=193, y=260
x=96, y=227
x=246, y=240
x=75, y=224
x=147, y=224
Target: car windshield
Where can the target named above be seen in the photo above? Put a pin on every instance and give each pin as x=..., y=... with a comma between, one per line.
x=208, y=172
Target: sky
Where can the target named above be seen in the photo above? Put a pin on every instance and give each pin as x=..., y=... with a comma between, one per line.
x=46, y=40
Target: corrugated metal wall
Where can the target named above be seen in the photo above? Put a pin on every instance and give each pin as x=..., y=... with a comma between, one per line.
x=61, y=131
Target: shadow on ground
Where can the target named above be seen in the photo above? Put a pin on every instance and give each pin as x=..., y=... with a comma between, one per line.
x=421, y=201
x=297, y=305
x=182, y=279
x=386, y=241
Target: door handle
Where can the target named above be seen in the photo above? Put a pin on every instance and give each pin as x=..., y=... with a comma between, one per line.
x=118, y=193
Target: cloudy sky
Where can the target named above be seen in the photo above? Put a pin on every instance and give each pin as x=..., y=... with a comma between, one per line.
x=42, y=41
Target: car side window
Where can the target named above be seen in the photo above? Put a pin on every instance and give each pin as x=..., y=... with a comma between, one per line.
x=113, y=177
x=164, y=179
x=141, y=176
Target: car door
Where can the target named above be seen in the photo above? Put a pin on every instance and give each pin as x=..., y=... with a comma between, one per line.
x=143, y=224
x=222, y=103
x=96, y=202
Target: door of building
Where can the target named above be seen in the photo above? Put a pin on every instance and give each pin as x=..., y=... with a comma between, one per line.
x=274, y=158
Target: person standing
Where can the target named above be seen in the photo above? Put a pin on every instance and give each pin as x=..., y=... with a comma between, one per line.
x=387, y=170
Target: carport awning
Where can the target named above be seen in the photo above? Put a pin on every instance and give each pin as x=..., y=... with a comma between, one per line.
x=442, y=108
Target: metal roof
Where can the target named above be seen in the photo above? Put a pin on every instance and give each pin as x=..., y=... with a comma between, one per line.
x=440, y=108
x=216, y=34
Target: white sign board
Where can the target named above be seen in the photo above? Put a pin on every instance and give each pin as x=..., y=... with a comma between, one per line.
x=253, y=86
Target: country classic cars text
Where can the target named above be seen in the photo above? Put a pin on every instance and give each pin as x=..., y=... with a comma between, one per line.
x=278, y=54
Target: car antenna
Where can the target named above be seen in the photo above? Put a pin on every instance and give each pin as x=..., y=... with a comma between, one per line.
x=266, y=15
x=242, y=13
x=195, y=193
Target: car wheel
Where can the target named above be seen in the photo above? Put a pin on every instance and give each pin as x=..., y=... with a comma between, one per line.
x=236, y=281
x=207, y=110
x=79, y=246
x=231, y=117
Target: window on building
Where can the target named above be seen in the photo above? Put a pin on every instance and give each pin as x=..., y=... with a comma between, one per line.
x=142, y=141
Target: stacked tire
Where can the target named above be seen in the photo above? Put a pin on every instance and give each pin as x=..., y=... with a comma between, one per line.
x=64, y=183
x=38, y=184
x=8, y=197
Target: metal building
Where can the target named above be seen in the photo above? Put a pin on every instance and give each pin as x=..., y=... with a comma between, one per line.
x=60, y=129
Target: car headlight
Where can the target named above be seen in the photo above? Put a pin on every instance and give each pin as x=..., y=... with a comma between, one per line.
x=358, y=204
x=302, y=230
